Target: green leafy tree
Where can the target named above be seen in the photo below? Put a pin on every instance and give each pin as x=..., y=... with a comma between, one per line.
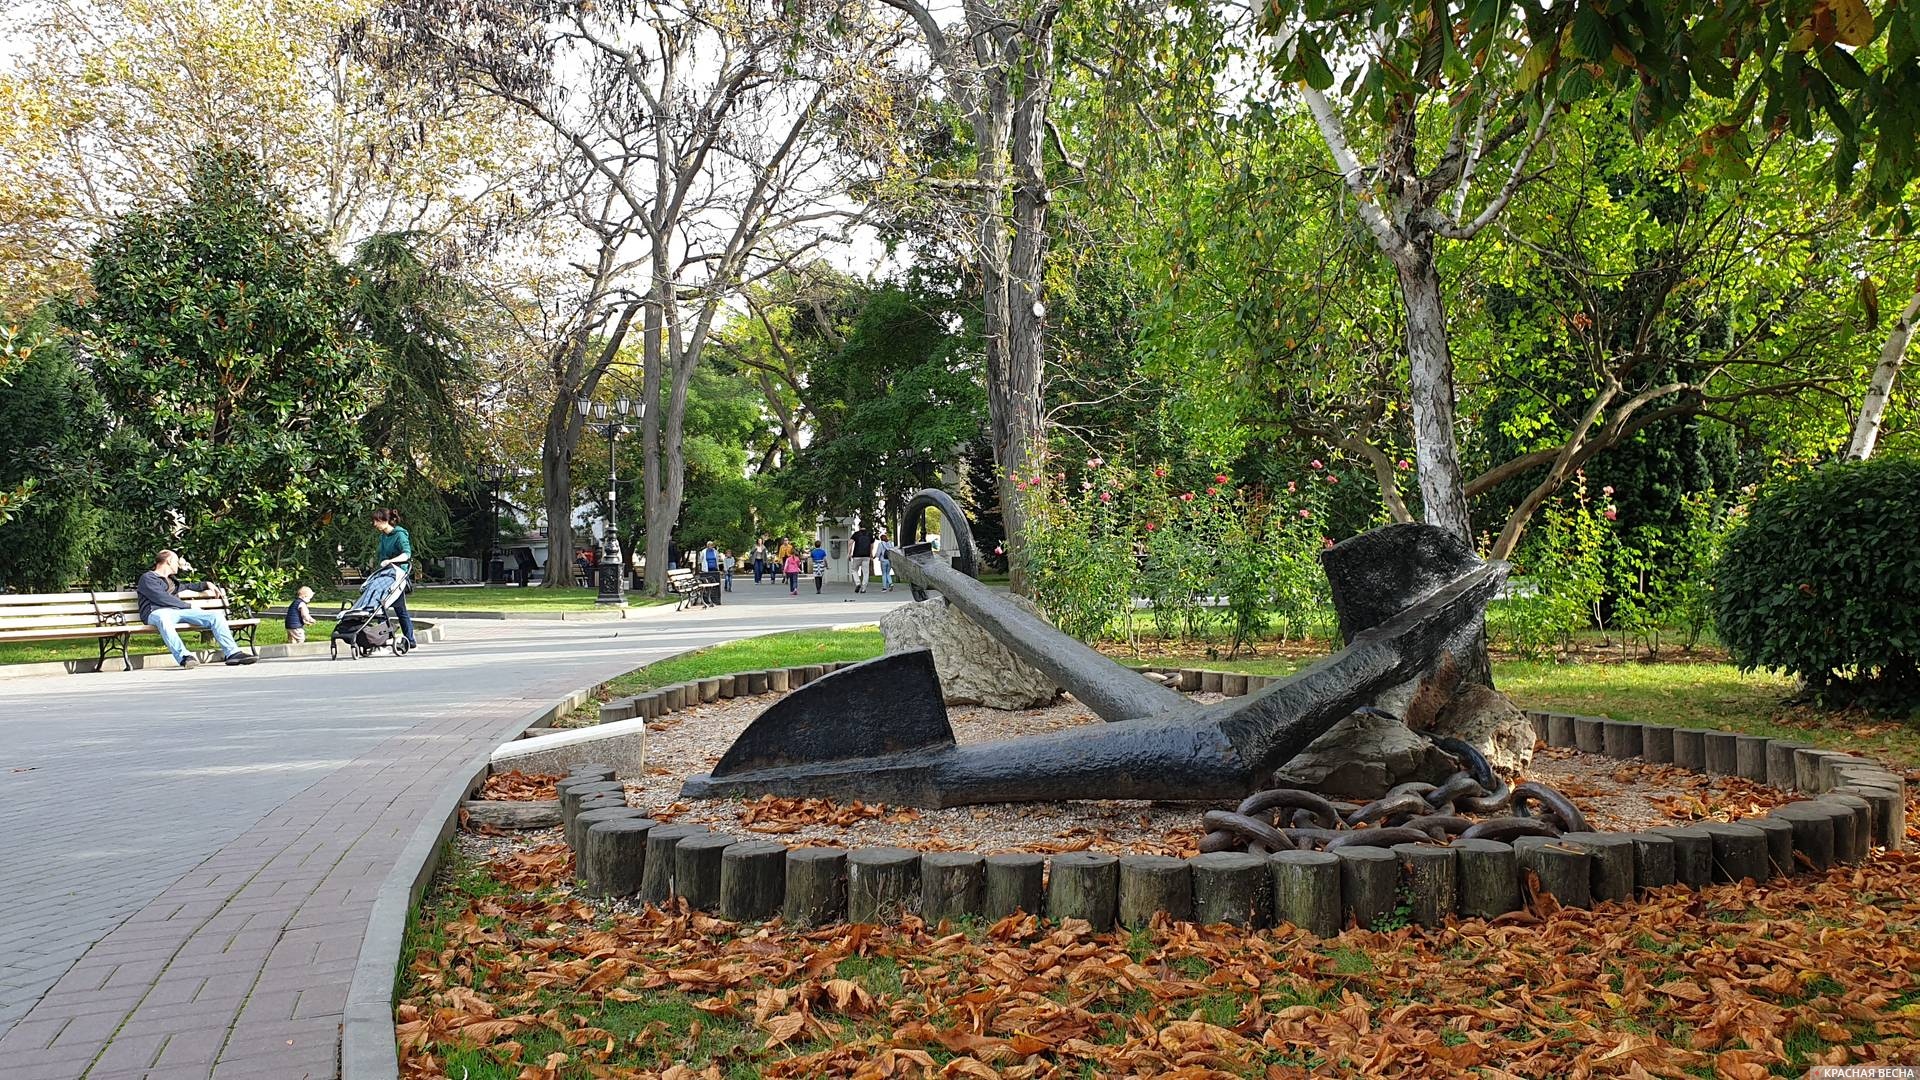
x=51, y=425
x=419, y=421
x=884, y=379
x=219, y=332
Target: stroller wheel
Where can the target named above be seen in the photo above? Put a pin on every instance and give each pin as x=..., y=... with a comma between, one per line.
x=334, y=648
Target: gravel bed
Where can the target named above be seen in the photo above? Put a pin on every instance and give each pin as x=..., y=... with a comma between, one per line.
x=1615, y=795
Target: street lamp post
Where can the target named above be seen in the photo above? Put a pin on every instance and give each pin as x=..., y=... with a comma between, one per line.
x=613, y=568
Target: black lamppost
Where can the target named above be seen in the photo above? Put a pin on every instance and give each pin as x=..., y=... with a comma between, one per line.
x=495, y=474
x=613, y=568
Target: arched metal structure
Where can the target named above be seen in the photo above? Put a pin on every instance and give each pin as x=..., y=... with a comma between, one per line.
x=957, y=540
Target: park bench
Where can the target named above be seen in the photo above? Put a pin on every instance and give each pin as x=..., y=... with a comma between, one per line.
x=109, y=618
x=695, y=590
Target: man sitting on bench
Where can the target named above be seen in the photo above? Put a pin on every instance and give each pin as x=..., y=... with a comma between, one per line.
x=162, y=609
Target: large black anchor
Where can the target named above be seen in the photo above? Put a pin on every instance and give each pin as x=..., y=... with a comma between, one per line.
x=1411, y=598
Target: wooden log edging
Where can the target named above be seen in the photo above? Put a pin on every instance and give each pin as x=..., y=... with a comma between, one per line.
x=1852, y=805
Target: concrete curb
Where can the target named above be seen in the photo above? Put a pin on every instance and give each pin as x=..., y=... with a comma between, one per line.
x=430, y=631
x=367, y=1050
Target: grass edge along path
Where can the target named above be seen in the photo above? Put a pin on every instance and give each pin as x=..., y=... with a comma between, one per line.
x=789, y=648
x=509, y=975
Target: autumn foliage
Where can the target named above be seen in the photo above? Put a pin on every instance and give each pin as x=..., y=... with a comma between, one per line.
x=1734, y=982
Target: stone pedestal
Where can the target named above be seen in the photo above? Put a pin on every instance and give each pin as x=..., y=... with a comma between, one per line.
x=974, y=668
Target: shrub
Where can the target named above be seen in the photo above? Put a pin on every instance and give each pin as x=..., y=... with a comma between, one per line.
x=51, y=426
x=1219, y=557
x=1823, y=582
x=1564, y=574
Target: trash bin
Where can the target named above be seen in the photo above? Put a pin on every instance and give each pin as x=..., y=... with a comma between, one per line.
x=497, y=571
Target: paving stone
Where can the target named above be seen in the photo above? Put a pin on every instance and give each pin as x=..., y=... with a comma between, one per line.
x=240, y=824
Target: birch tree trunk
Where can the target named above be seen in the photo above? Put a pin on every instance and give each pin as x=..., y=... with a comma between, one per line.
x=1443, y=485
x=1873, y=410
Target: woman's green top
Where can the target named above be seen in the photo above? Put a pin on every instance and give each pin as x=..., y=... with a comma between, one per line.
x=394, y=543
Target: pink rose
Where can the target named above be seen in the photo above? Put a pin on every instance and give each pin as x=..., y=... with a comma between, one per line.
x=1291, y=486
x=1304, y=514
x=1106, y=496
x=1094, y=463
x=998, y=550
x=1326, y=541
x=1607, y=491
x=1187, y=497
x=1332, y=479
x=1160, y=472
x=1316, y=464
x=1151, y=526
x=1213, y=491
x=1611, y=514
x=1220, y=479
x=1405, y=464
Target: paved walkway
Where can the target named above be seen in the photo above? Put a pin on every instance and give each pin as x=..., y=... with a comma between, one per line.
x=189, y=857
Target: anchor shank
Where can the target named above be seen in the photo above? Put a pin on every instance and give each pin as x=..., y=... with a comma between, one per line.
x=1111, y=691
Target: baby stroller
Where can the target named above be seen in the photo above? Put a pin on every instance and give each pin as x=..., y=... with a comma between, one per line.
x=367, y=625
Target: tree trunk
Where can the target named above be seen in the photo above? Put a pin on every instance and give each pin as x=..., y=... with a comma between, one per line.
x=659, y=533
x=1019, y=433
x=1443, y=488
x=991, y=127
x=1866, y=431
x=556, y=456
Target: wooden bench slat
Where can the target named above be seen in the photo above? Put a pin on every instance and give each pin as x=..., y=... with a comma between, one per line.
x=31, y=599
x=31, y=622
x=53, y=633
x=18, y=611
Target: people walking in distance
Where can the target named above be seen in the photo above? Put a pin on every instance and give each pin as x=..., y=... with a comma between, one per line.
x=862, y=557
x=762, y=560
x=819, y=557
x=883, y=550
x=790, y=566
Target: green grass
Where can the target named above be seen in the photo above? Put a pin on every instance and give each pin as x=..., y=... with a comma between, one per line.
x=271, y=632
x=796, y=648
x=1706, y=695
x=1687, y=694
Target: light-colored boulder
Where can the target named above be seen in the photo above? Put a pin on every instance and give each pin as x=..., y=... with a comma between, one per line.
x=974, y=668
x=1483, y=718
x=621, y=744
x=1364, y=755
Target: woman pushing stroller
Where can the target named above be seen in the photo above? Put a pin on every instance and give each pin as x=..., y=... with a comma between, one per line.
x=396, y=549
